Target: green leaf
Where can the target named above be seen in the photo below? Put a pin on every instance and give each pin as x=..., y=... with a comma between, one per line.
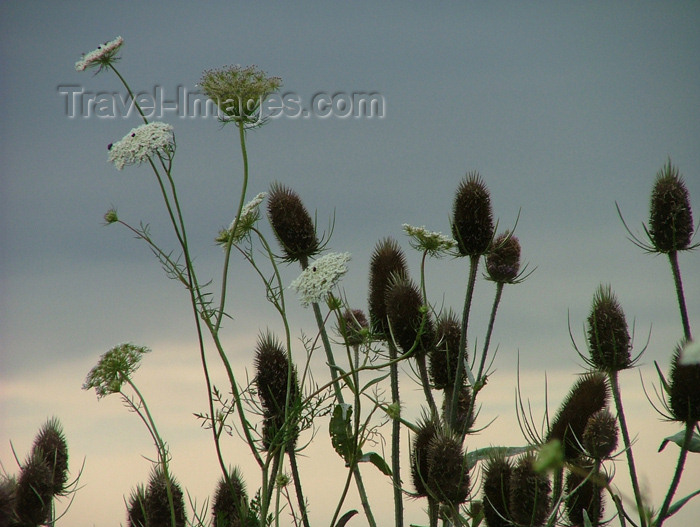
x=340, y=429
x=345, y=518
x=673, y=509
x=694, y=445
x=377, y=461
x=475, y=456
x=586, y=519
x=375, y=381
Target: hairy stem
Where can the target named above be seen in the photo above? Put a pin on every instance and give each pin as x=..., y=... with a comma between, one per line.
x=673, y=258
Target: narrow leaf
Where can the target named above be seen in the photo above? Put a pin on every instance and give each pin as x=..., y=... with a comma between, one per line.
x=377, y=461
x=375, y=381
x=475, y=456
x=345, y=518
x=694, y=445
x=673, y=509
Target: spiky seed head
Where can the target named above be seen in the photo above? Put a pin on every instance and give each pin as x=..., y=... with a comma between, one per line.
x=448, y=470
x=272, y=370
x=353, y=327
x=600, y=435
x=588, y=497
x=157, y=505
x=529, y=493
x=496, y=485
x=684, y=389
x=588, y=395
x=411, y=324
x=387, y=259
x=445, y=353
x=427, y=428
x=670, y=217
x=465, y=415
x=503, y=262
x=230, y=501
x=291, y=223
x=472, y=216
x=52, y=444
x=136, y=508
x=8, y=495
x=33, y=498
x=608, y=337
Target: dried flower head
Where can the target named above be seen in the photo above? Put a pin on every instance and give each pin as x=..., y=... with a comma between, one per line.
x=448, y=469
x=292, y=224
x=51, y=444
x=445, y=354
x=387, y=259
x=600, y=435
x=230, y=501
x=434, y=243
x=465, y=414
x=472, y=217
x=410, y=322
x=34, y=491
x=683, y=391
x=101, y=57
x=141, y=143
x=157, y=504
x=249, y=215
x=608, y=337
x=588, y=395
x=670, y=216
x=8, y=495
x=136, y=508
x=530, y=491
x=588, y=496
x=113, y=368
x=503, y=262
x=353, y=327
x=496, y=485
x=427, y=428
x=239, y=92
x=317, y=281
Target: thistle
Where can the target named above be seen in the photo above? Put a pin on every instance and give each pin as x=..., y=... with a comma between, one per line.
x=588, y=395
x=33, y=495
x=230, y=501
x=529, y=493
x=387, y=260
x=292, y=224
x=409, y=320
x=136, y=508
x=503, y=262
x=670, y=216
x=496, y=485
x=445, y=353
x=50, y=443
x=588, y=496
x=608, y=337
x=472, y=216
x=464, y=415
x=683, y=392
x=157, y=504
x=600, y=436
x=427, y=429
x=448, y=470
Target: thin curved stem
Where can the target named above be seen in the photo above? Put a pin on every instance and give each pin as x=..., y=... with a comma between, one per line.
x=673, y=258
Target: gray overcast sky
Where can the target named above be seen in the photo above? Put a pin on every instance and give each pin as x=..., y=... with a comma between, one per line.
x=564, y=108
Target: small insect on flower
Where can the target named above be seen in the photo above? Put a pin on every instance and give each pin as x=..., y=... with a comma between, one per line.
x=101, y=57
x=142, y=143
x=316, y=282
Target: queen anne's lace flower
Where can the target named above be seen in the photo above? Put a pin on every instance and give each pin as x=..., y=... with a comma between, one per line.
x=141, y=143
x=102, y=56
x=422, y=239
x=320, y=277
x=249, y=215
x=114, y=367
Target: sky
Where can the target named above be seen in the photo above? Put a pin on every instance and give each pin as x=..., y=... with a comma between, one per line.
x=564, y=108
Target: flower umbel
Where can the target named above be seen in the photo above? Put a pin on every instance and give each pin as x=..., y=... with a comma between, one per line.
x=114, y=367
x=141, y=143
x=249, y=215
x=434, y=243
x=101, y=57
x=315, y=283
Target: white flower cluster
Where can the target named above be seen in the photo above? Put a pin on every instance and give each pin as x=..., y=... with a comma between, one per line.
x=424, y=240
x=249, y=215
x=320, y=277
x=141, y=143
x=100, y=56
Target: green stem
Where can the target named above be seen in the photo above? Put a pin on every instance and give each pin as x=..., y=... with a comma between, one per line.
x=131, y=94
x=689, y=427
x=297, y=486
x=615, y=386
x=395, y=435
x=673, y=258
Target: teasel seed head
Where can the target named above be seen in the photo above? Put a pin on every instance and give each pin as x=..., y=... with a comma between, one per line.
x=448, y=470
x=496, y=485
x=600, y=435
x=387, y=259
x=136, y=508
x=503, y=262
x=588, y=497
x=157, y=505
x=472, y=216
x=445, y=354
x=411, y=324
x=588, y=395
x=465, y=415
x=33, y=498
x=670, y=216
x=684, y=389
x=530, y=491
x=427, y=428
x=8, y=495
x=272, y=370
x=608, y=337
x=291, y=223
x=230, y=501
x=353, y=327
x=52, y=444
